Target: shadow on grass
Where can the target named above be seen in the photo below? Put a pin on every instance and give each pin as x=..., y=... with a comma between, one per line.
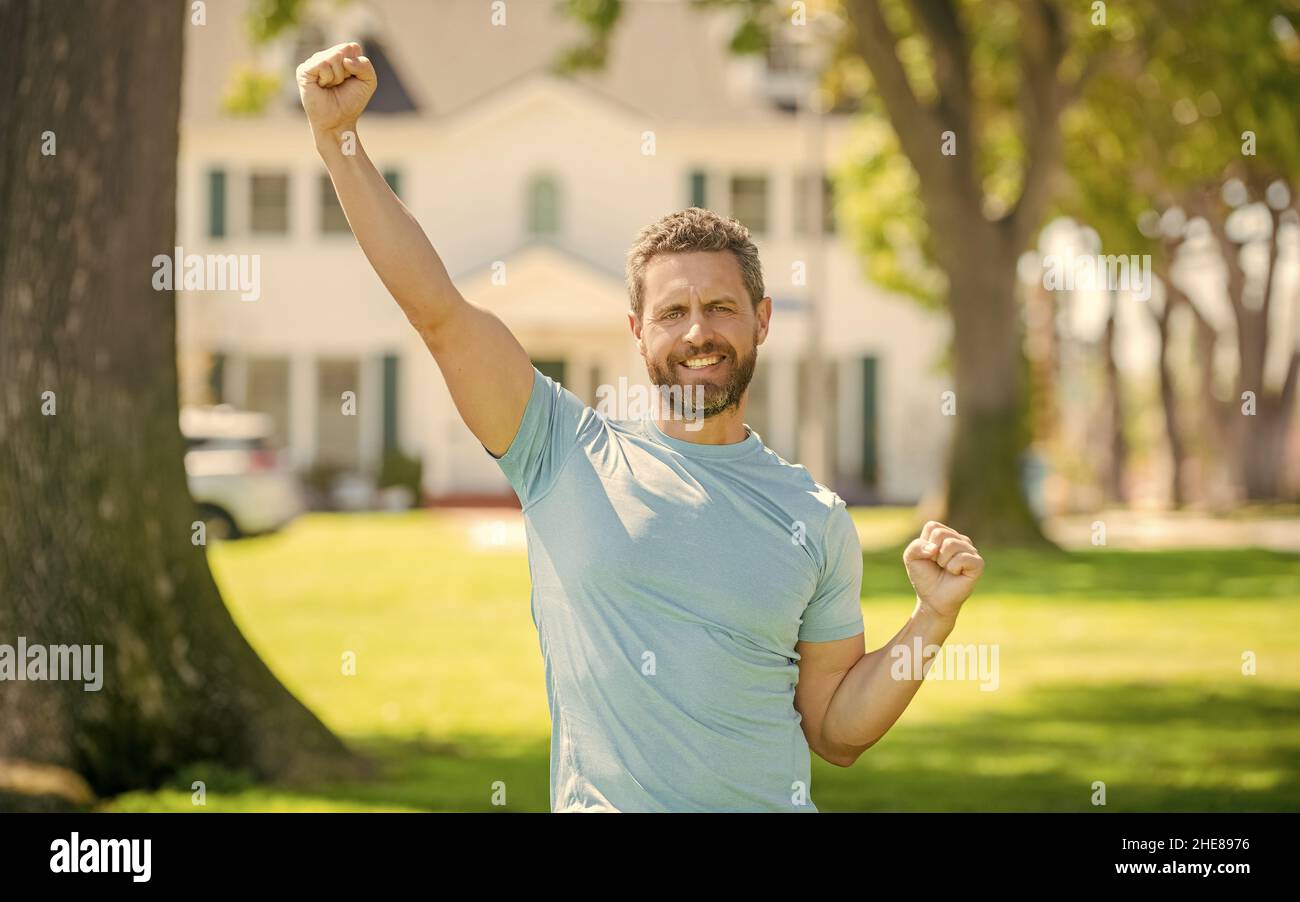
x=1104, y=574
x=1157, y=747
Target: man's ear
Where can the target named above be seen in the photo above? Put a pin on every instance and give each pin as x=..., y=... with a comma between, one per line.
x=634, y=323
x=764, y=314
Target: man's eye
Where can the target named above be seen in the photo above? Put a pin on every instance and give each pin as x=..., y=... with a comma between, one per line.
x=672, y=313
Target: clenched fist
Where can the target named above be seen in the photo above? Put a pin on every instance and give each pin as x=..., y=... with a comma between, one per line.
x=943, y=566
x=335, y=85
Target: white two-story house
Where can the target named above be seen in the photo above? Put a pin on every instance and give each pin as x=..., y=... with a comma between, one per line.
x=532, y=186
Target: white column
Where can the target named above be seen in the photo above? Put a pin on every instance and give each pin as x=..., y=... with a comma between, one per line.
x=304, y=212
x=370, y=403
x=302, y=409
x=783, y=400
x=717, y=190
x=780, y=205
x=441, y=414
x=237, y=205
x=849, y=451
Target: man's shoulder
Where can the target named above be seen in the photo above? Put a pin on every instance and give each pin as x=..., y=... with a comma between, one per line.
x=798, y=478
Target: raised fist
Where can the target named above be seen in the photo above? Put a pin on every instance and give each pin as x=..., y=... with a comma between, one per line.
x=335, y=85
x=943, y=566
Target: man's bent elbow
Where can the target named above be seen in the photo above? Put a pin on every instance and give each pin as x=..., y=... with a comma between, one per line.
x=846, y=756
x=841, y=758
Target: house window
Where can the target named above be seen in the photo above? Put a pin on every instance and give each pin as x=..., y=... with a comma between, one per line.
x=332, y=218
x=338, y=434
x=828, y=390
x=543, y=205
x=803, y=204
x=309, y=38
x=784, y=55
x=749, y=201
x=699, y=189
x=217, y=203
x=267, y=391
x=268, y=204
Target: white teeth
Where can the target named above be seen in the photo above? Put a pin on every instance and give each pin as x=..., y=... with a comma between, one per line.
x=701, y=362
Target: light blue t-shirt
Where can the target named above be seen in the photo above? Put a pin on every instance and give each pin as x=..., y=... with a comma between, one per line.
x=671, y=581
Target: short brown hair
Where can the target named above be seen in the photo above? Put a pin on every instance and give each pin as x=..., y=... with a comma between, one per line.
x=693, y=229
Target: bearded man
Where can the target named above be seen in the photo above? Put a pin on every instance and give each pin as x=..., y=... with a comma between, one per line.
x=697, y=598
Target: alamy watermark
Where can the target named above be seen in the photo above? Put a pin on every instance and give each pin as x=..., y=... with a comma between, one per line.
x=102, y=856
x=209, y=272
x=1088, y=272
x=661, y=402
x=957, y=662
x=83, y=663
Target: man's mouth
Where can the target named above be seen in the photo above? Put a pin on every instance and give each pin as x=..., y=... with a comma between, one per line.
x=704, y=362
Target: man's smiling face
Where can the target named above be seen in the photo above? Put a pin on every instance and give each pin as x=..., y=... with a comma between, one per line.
x=700, y=327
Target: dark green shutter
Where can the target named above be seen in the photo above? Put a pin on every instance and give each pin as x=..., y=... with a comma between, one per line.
x=390, y=403
x=699, y=189
x=552, y=368
x=217, y=377
x=217, y=203
x=869, y=421
x=394, y=179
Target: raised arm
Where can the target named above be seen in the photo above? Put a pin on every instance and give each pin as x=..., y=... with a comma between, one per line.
x=489, y=374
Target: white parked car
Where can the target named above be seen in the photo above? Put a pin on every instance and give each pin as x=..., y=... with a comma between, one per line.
x=234, y=475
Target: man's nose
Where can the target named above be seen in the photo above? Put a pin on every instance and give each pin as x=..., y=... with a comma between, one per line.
x=699, y=331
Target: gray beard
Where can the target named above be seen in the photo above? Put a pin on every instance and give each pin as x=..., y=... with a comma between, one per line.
x=717, y=398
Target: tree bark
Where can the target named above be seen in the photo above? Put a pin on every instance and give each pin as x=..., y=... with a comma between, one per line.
x=978, y=255
x=986, y=499
x=1116, y=483
x=1259, y=441
x=1169, y=403
x=96, y=534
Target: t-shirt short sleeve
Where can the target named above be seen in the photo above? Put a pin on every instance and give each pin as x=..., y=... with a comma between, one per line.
x=835, y=611
x=547, y=435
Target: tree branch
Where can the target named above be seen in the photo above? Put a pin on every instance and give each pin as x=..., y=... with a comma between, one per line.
x=948, y=186
x=1289, y=384
x=1042, y=48
x=1207, y=208
x=942, y=27
x=1273, y=249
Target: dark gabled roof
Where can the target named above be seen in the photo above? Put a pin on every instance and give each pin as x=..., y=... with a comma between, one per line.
x=391, y=96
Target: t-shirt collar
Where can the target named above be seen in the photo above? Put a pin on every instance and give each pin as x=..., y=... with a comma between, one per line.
x=748, y=445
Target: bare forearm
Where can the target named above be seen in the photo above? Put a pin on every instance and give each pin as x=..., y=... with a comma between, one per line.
x=871, y=697
x=488, y=373
x=392, y=240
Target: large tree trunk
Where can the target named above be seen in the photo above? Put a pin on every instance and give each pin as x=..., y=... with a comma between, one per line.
x=978, y=255
x=95, y=515
x=985, y=497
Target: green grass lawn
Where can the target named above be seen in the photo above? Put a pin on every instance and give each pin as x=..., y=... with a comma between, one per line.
x=1123, y=667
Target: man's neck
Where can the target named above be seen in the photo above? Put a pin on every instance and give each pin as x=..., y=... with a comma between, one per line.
x=726, y=428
